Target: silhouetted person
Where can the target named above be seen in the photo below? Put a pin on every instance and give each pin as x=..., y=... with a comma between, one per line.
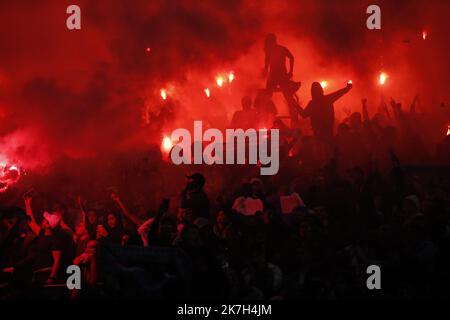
x=265, y=108
x=279, y=78
x=194, y=197
x=321, y=111
x=245, y=118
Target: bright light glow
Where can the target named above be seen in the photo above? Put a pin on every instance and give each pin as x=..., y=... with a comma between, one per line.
x=448, y=130
x=382, y=79
x=350, y=81
x=324, y=84
x=219, y=81
x=167, y=144
x=163, y=94
x=424, y=35
x=148, y=49
x=207, y=92
x=291, y=153
x=231, y=77
x=9, y=175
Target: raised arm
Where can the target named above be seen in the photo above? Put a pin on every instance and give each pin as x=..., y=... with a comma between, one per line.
x=304, y=113
x=396, y=108
x=338, y=94
x=365, y=113
x=83, y=211
x=384, y=108
x=115, y=197
x=291, y=62
x=153, y=230
x=32, y=223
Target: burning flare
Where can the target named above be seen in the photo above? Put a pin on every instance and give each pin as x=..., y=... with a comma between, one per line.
x=231, y=77
x=424, y=35
x=166, y=144
x=382, y=78
x=163, y=94
x=207, y=92
x=324, y=84
x=9, y=175
x=219, y=81
x=448, y=131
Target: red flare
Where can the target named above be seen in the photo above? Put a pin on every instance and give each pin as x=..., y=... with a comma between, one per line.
x=219, y=81
x=382, y=78
x=424, y=35
x=166, y=144
x=163, y=94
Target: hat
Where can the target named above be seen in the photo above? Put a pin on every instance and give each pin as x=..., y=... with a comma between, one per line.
x=198, y=178
x=11, y=212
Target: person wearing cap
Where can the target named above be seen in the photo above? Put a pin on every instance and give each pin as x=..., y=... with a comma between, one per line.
x=194, y=198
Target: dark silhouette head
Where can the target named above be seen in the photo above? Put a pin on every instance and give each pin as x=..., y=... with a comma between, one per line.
x=343, y=130
x=195, y=181
x=355, y=121
x=316, y=90
x=270, y=41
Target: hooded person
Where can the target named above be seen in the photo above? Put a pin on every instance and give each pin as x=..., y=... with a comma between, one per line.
x=321, y=111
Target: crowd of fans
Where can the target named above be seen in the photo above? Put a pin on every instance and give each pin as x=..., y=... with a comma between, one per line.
x=375, y=193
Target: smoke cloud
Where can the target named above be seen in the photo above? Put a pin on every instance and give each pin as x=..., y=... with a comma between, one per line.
x=82, y=93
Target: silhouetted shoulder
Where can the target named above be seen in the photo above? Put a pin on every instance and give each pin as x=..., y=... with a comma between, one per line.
x=286, y=51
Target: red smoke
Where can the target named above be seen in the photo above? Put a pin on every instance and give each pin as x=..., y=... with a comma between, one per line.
x=82, y=93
